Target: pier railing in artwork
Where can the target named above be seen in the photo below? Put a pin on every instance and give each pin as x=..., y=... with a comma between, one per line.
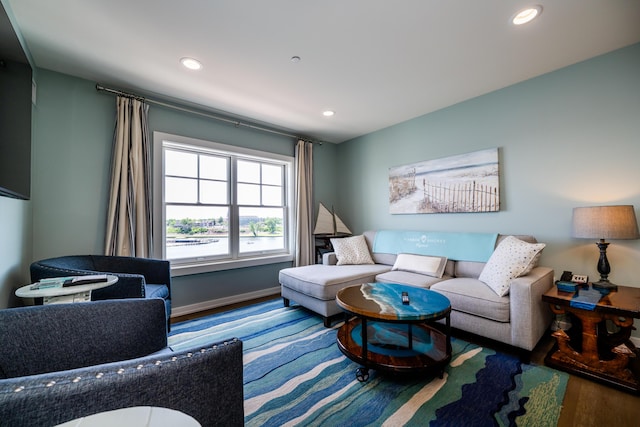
x=460, y=197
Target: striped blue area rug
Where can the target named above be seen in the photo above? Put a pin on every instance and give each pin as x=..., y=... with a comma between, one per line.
x=295, y=375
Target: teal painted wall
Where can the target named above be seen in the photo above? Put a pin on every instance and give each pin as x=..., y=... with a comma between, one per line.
x=71, y=162
x=72, y=155
x=326, y=178
x=568, y=138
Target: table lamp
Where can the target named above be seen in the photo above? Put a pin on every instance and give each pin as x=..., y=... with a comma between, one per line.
x=605, y=222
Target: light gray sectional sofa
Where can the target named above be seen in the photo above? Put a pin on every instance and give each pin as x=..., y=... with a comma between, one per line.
x=519, y=318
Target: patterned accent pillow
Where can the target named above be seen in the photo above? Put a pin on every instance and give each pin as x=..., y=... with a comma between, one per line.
x=351, y=250
x=512, y=258
x=422, y=264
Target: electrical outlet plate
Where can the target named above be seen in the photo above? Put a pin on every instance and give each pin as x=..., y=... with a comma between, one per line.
x=580, y=278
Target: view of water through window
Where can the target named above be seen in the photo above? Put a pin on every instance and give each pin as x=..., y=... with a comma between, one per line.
x=260, y=230
x=211, y=246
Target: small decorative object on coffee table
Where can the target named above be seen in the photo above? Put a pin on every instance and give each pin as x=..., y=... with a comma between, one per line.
x=590, y=348
x=395, y=328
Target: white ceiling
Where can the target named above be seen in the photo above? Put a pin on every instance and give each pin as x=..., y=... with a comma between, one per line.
x=374, y=62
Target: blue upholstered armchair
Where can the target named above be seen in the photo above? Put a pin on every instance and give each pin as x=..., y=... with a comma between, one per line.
x=137, y=277
x=60, y=362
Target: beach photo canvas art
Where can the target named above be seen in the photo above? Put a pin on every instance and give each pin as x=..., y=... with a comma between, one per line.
x=464, y=183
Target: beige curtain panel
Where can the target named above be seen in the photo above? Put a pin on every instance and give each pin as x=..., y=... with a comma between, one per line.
x=129, y=217
x=305, y=244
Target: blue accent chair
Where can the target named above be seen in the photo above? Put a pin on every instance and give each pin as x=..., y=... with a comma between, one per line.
x=137, y=277
x=60, y=362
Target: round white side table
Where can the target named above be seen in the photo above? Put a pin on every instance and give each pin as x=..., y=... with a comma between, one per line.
x=137, y=416
x=57, y=295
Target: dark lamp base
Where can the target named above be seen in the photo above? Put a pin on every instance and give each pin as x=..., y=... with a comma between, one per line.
x=604, y=285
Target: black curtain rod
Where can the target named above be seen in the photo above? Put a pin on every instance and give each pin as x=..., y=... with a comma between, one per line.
x=236, y=123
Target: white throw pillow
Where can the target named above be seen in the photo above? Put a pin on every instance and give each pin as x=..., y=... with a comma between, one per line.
x=512, y=258
x=423, y=264
x=351, y=250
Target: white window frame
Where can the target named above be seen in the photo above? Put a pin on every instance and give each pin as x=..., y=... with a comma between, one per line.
x=163, y=140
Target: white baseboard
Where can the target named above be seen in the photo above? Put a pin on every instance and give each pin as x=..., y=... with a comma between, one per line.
x=220, y=302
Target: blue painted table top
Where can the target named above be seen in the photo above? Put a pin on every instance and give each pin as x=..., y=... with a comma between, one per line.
x=384, y=301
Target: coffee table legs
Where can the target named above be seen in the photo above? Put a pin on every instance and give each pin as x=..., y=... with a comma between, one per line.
x=419, y=348
x=363, y=334
x=362, y=373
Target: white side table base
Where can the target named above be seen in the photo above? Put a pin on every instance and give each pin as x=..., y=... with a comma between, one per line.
x=137, y=416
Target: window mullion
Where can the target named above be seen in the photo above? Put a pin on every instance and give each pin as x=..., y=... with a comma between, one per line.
x=234, y=220
x=199, y=196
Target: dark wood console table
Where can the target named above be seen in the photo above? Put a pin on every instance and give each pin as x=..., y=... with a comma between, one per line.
x=589, y=348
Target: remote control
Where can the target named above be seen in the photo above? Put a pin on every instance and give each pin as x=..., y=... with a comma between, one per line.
x=85, y=280
x=405, y=298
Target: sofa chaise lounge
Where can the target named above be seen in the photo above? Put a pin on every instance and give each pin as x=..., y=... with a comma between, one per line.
x=515, y=315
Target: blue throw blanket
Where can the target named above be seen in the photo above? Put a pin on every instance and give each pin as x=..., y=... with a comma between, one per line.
x=457, y=246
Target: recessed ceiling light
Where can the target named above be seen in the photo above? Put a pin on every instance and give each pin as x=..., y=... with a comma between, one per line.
x=328, y=113
x=526, y=15
x=190, y=63
x=295, y=59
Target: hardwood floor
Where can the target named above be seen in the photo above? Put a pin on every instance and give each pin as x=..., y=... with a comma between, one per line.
x=589, y=403
x=586, y=403
x=221, y=309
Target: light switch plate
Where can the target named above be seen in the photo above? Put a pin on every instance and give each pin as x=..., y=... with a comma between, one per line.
x=580, y=278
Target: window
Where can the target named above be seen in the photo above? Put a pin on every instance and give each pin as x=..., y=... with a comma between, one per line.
x=219, y=206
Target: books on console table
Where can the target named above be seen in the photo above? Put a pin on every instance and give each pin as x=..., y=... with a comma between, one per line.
x=565, y=286
x=63, y=282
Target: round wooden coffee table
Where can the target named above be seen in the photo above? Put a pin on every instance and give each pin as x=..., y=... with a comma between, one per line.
x=389, y=335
